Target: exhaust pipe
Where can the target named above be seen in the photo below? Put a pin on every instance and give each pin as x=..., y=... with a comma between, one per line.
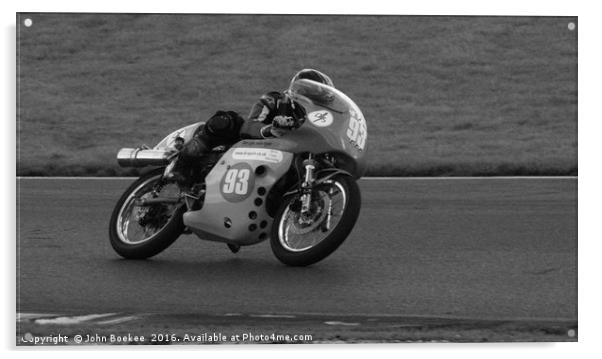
x=136, y=157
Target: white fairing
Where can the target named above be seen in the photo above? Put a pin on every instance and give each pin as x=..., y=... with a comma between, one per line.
x=184, y=132
x=234, y=210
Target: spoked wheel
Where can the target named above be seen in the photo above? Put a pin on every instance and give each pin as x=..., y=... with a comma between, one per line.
x=138, y=229
x=301, y=239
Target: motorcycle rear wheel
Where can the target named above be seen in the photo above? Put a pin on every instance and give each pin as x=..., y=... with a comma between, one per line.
x=169, y=229
x=288, y=240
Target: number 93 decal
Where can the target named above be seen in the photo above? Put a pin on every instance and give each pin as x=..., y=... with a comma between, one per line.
x=357, y=132
x=237, y=183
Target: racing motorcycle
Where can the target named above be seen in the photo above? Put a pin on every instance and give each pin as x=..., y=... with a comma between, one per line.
x=298, y=190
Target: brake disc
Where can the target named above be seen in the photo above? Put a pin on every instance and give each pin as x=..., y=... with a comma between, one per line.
x=314, y=221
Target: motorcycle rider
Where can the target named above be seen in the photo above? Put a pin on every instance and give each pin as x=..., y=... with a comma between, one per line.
x=273, y=115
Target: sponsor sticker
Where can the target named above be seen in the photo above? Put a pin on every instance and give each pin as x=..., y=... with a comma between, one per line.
x=320, y=118
x=257, y=154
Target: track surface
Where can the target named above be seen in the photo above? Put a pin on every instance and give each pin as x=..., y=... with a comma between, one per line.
x=478, y=248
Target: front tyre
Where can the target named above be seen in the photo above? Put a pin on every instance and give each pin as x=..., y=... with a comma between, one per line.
x=302, y=240
x=141, y=231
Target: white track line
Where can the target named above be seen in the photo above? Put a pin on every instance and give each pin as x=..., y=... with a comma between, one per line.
x=77, y=178
x=377, y=316
x=343, y=318
x=341, y=323
x=26, y=316
x=467, y=178
x=117, y=320
x=73, y=320
x=363, y=178
x=271, y=316
x=47, y=318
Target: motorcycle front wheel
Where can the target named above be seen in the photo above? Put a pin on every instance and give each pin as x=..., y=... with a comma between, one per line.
x=139, y=231
x=303, y=239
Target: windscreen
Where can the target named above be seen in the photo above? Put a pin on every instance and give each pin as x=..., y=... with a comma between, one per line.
x=321, y=95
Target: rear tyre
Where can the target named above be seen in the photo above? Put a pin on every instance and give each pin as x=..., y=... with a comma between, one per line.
x=138, y=232
x=302, y=244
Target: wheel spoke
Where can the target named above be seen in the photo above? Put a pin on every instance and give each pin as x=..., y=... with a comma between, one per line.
x=158, y=217
x=297, y=237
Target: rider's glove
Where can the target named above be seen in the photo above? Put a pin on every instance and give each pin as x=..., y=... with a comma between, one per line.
x=283, y=122
x=281, y=125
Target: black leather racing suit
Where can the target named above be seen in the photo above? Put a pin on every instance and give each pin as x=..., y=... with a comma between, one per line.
x=228, y=127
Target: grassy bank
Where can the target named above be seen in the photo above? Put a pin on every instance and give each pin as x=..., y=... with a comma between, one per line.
x=442, y=95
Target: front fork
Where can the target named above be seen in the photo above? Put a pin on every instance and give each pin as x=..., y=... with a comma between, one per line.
x=306, y=188
x=306, y=217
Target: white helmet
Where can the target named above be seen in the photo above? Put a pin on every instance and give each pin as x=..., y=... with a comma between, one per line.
x=314, y=75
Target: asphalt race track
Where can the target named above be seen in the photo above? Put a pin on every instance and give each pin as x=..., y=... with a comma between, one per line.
x=467, y=248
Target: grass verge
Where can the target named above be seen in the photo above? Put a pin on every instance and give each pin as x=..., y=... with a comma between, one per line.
x=445, y=95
